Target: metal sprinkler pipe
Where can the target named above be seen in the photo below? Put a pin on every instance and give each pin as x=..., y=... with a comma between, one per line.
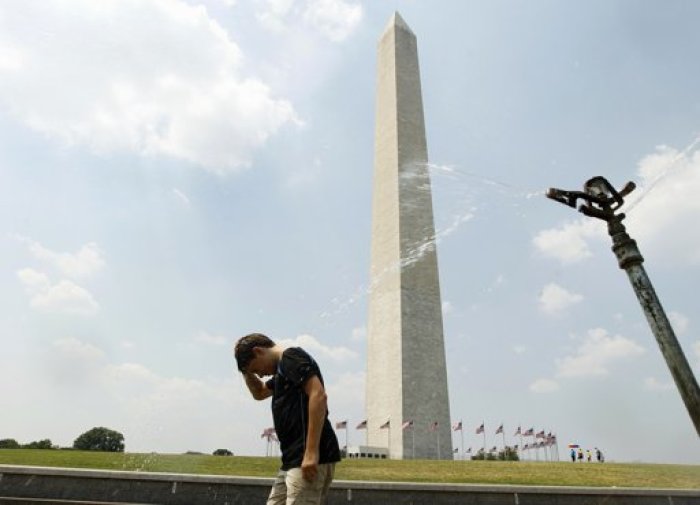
x=601, y=200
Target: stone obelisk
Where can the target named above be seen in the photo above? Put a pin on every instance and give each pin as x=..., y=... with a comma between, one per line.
x=406, y=373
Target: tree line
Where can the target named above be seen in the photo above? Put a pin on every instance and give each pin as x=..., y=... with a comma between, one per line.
x=96, y=439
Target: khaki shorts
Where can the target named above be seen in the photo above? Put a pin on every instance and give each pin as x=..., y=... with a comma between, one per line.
x=290, y=488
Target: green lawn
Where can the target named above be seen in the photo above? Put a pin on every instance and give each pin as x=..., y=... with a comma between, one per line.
x=474, y=472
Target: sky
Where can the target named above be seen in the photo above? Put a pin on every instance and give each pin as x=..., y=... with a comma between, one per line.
x=175, y=174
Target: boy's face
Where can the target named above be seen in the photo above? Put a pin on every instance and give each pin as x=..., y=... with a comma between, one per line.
x=263, y=362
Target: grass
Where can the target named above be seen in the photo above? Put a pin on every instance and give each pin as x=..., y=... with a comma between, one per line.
x=473, y=472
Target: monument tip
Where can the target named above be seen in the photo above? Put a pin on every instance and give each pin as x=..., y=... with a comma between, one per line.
x=396, y=21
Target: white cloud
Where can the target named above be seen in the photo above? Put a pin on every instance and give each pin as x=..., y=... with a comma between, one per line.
x=333, y=19
x=346, y=401
x=63, y=297
x=500, y=281
x=336, y=19
x=159, y=411
x=359, y=334
x=669, y=180
x=596, y=354
x=80, y=264
x=181, y=197
x=314, y=347
x=10, y=58
x=74, y=349
x=519, y=349
x=273, y=13
x=568, y=244
x=159, y=77
x=554, y=299
x=346, y=395
x=544, y=386
x=679, y=322
x=653, y=384
x=73, y=361
x=205, y=338
x=33, y=281
x=130, y=372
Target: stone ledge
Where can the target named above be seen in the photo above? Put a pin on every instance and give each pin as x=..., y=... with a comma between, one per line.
x=113, y=486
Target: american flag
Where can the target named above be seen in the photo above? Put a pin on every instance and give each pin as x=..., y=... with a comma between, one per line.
x=362, y=425
x=529, y=432
x=407, y=424
x=499, y=430
x=493, y=449
x=468, y=451
x=385, y=425
x=540, y=434
x=517, y=432
x=434, y=426
x=457, y=426
x=267, y=432
x=480, y=429
x=342, y=425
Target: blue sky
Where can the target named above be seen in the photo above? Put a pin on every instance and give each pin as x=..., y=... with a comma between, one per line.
x=175, y=174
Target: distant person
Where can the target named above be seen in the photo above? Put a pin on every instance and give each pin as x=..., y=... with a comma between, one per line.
x=307, y=440
x=573, y=455
x=580, y=455
x=599, y=455
x=588, y=455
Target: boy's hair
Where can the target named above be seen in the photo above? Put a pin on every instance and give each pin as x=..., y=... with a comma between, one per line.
x=244, y=348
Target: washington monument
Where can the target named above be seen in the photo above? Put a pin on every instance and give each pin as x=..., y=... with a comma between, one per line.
x=406, y=374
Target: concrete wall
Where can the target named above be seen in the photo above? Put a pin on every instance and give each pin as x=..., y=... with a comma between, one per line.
x=173, y=489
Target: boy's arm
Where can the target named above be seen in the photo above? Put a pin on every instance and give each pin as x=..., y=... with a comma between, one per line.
x=317, y=414
x=256, y=387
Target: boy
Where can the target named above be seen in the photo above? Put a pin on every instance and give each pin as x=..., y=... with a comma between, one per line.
x=299, y=410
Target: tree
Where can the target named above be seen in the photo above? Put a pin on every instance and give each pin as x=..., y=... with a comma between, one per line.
x=222, y=452
x=508, y=454
x=9, y=443
x=39, y=444
x=100, y=439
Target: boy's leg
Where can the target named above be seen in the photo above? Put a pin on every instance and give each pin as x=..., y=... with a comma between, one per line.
x=278, y=493
x=303, y=492
x=330, y=471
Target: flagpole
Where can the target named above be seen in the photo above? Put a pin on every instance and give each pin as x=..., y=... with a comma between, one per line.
x=413, y=447
x=461, y=432
x=483, y=431
x=438, y=441
x=537, y=449
x=388, y=432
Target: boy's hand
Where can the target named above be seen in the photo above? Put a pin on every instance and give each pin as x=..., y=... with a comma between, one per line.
x=309, y=467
